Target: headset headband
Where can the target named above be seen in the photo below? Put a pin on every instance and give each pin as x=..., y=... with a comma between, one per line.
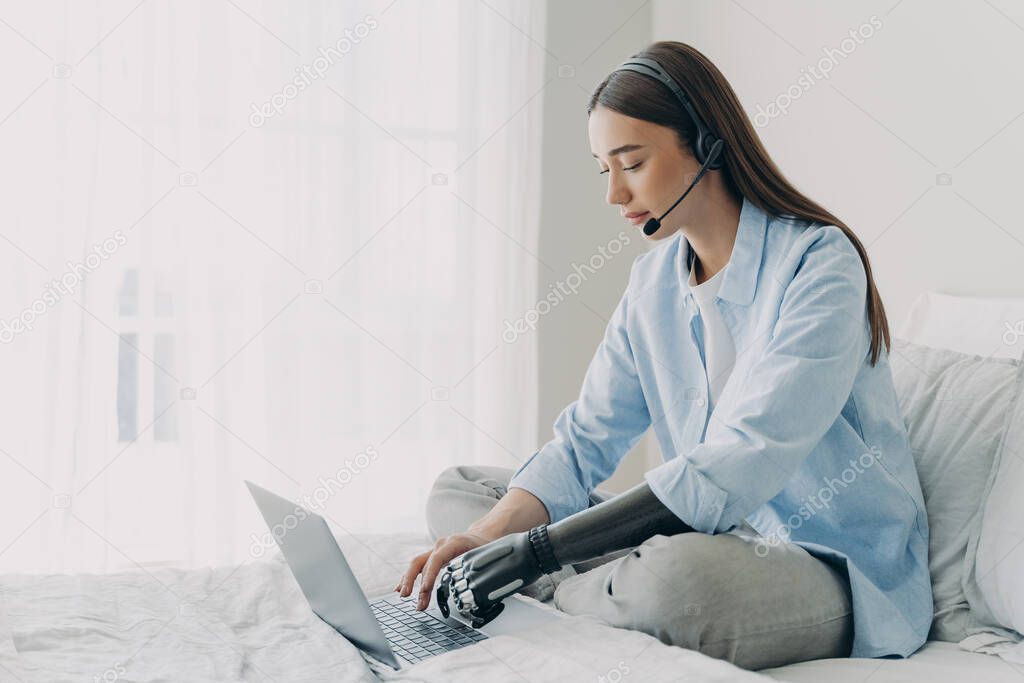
x=705, y=138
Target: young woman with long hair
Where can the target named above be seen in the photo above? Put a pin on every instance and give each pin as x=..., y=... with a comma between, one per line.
x=787, y=521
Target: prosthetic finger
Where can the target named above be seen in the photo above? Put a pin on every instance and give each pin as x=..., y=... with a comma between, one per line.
x=478, y=580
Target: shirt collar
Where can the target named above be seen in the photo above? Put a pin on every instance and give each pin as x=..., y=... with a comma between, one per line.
x=740, y=277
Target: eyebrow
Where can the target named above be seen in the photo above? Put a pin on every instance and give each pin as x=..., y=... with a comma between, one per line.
x=622, y=150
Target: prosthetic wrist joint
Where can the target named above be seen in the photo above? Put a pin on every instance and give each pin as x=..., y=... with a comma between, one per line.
x=541, y=545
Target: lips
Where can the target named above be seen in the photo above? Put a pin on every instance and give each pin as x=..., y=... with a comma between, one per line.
x=637, y=218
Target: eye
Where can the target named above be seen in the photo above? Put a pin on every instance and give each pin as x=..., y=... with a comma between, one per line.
x=634, y=166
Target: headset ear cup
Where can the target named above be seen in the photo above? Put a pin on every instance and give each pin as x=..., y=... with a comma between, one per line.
x=705, y=143
x=700, y=150
x=720, y=161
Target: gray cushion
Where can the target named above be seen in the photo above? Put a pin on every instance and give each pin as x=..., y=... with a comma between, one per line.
x=956, y=408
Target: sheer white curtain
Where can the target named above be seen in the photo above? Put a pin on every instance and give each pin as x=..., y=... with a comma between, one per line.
x=266, y=241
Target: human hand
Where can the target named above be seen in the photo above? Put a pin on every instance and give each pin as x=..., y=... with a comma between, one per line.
x=429, y=563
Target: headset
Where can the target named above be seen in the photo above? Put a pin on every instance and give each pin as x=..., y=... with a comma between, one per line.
x=707, y=148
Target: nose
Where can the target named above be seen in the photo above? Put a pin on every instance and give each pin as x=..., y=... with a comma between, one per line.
x=618, y=193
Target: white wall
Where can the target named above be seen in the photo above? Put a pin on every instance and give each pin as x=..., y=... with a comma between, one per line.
x=935, y=89
x=591, y=37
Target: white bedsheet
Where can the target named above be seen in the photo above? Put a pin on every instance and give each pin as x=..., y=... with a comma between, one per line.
x=248, y=623
x=577, y=649
x=251, y=623
x=936, y=662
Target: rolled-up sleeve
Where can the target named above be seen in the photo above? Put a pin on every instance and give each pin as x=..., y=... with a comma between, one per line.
x=793, y=394
x=593, y=433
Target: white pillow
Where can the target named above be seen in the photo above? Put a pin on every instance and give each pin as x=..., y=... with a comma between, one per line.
x=999, y=565
x=991, y=327
x=956, y=408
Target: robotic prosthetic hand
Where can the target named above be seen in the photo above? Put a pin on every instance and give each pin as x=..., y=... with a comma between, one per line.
x=481, y=578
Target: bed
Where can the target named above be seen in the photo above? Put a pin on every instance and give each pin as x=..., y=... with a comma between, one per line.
x=936, y=662
x=250, y=622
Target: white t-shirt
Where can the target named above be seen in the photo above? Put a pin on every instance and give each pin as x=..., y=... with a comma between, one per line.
x=719, y=355
x=719, y=352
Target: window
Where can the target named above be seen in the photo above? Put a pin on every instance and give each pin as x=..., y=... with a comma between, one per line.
x=146, y=358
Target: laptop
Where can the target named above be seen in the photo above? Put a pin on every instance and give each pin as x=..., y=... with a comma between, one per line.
x=389, y=629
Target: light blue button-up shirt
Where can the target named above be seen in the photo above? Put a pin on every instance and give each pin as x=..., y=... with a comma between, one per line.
x=806, y=443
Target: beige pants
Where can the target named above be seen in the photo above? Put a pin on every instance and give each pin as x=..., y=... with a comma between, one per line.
x=709, y=593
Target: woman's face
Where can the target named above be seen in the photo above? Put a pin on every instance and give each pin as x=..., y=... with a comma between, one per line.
x=647, y=170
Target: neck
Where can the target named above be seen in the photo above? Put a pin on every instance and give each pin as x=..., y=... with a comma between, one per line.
x=711, y=231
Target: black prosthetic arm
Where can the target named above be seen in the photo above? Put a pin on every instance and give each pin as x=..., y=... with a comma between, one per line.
x=481, y=578
x=624, y=521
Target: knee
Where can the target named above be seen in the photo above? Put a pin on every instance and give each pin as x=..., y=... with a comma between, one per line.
x=449, y=475
x=447, y=481
x=463, y=494
x=458, y=478
x=655, y=575
x=489, y=480
x=682, y=589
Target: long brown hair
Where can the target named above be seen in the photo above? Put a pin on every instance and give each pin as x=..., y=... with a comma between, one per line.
x=748, y=170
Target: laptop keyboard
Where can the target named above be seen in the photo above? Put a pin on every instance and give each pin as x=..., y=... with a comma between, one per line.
x=414, y=635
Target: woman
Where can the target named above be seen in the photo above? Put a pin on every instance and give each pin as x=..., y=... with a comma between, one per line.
x=754, y=341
